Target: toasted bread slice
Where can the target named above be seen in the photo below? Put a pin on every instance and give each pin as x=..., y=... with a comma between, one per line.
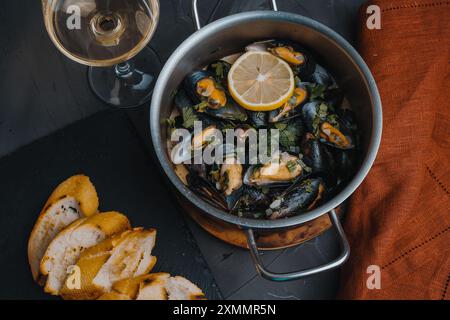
x=67, y=246
x=127, y=255
x=179, y=288
x=155, y=286
x=72, y=199
x=89, y=263
x=131, y=257
x=128, y=289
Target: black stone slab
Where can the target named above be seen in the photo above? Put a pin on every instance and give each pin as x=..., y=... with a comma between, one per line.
x=105, y=147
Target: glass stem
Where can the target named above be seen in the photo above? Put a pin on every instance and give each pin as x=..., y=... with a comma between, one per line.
x=124, y=70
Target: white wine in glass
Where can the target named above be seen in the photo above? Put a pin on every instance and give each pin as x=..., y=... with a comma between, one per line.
x=110, y=36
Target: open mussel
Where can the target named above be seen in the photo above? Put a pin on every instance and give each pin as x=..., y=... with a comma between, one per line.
x=326, y=126
x=229, y=180
x=297, y=199
x=211, y=97
x=292, y=108
x=185, y=150
x=281, y=170
x=299, y=58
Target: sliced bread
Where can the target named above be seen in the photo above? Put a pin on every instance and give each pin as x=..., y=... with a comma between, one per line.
x=124, y=256
x=155, y=286
x=66, y=248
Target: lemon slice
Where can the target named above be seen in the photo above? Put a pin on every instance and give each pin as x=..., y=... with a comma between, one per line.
x=259, y=81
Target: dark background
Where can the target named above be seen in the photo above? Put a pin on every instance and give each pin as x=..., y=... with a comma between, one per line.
x=42, y=91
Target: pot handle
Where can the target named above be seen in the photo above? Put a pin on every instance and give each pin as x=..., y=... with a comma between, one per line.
x=295, y=275
x=196, y=15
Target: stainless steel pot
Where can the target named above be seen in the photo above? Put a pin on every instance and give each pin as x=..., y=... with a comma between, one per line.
x=229, y=35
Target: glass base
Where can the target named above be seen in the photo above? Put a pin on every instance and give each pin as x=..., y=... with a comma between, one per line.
x=128, y=84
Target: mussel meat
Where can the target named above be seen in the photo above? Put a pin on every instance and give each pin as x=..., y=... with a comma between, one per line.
x=184, y=150
x=291, y=108
x=230, y=181
x=281, y=170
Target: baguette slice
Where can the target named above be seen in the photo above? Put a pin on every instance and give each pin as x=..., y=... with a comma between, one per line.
x=179, y=288
x=67, y=246
x=72, y=199
x=127, y=255
x=156, y=286
x=128, y=289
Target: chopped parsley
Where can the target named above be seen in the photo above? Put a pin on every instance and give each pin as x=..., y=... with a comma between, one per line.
x=189, y=117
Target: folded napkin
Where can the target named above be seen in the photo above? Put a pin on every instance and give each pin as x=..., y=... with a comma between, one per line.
x=399, y=219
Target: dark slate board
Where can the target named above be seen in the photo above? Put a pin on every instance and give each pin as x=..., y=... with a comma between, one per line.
x=105, y=147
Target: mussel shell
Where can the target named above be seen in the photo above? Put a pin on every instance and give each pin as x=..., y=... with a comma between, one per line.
x=309, y=114
x=320, y=76
x=258, y=119
x=231, y=111
x=298, y=199
x=204, y=188
x=319, y=157
x=191, y=80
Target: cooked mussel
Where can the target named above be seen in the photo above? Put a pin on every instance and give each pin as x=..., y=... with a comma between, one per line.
x=319, y=158
x=332, y=136
x=211, y=98
x=298, y=199
x=230, y=180
x=326, y=126
x=281, y=170
x=184, y=150
x=204, y=90
x=292, y=107
x=299, y=58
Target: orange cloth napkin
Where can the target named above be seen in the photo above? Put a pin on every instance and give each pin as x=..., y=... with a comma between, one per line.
x=399, y=218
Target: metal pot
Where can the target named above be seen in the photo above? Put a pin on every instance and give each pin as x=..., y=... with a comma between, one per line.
x=229, y=35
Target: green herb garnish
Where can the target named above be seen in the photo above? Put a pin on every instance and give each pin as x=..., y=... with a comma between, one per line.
x=189, y=117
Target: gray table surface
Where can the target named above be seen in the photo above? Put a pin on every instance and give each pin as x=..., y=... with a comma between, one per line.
x=42, y=91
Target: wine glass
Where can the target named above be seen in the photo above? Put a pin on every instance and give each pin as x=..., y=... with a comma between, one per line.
x=110, y=36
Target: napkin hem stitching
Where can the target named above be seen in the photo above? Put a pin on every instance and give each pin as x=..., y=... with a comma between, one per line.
x=416, y=5
x=444, y=293
x=435, y=178
x=437, y=235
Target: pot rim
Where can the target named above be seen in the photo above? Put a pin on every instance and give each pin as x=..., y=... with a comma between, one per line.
x=217, y=26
